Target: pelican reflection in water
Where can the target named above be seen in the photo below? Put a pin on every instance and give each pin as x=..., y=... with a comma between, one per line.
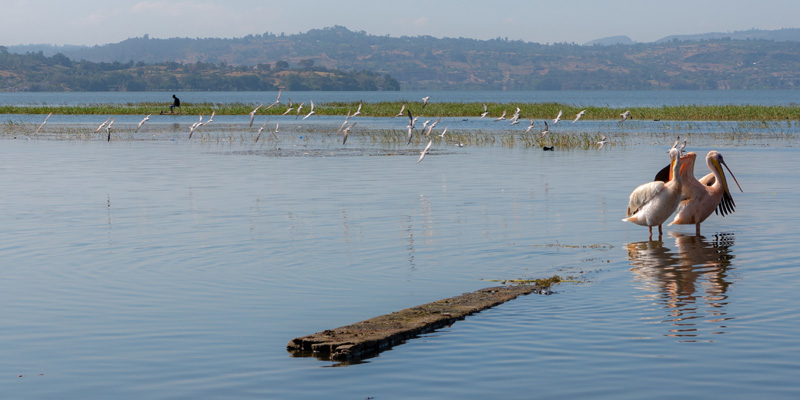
x=690, y=282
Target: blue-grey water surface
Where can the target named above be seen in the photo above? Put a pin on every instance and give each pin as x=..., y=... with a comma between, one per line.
x=177, y=269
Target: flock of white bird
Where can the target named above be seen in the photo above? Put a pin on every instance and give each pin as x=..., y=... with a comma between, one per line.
x=650, y=204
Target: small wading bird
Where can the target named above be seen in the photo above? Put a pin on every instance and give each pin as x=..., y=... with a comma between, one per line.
x=625, y=115
x=652, y=203
x=45, y=121
x=347, y=131
x=425, y=151
x=430, y=128
x=529, y=126
x=210, y=119
x=425, y=101
x=261, y=130
x=557, y=118
x=601, y=143
x=577, y=117
x=103, y=125
x=108, y=130
x=253, y=114
x=410, y=126
x=310, y=113
x=199, y=123
x=485, y=111
x=277, y=100
x=344, y=123
x=291, y=107
x=709, y=194
x=142, y=123
x=402, y=108
x=515, y=117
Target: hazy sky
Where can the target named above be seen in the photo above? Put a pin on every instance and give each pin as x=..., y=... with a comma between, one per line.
x=90, y=22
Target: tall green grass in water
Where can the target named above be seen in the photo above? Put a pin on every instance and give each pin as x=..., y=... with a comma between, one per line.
x=536, y=111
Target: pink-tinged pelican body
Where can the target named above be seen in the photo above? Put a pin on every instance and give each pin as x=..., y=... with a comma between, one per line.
x=653, y=203
x=701, y=197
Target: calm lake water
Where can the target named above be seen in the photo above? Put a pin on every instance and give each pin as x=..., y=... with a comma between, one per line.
x=158, y=267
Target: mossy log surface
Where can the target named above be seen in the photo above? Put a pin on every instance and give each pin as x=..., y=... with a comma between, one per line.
x=368, y=338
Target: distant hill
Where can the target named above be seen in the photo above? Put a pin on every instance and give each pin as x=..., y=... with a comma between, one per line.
x=425, y=62
x=781, y=35
x=611, y=40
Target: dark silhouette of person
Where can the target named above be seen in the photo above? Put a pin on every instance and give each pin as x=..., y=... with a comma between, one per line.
x=175, y=103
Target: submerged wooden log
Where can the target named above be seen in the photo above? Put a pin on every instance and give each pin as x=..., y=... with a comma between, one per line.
x=368, y=338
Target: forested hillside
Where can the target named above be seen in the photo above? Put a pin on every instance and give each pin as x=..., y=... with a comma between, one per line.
x=37, y=72
x=460, y=63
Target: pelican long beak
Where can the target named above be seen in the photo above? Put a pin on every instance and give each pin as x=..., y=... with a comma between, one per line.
x=718, y=163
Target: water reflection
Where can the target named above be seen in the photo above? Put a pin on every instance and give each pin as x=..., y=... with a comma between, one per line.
x=690, y=282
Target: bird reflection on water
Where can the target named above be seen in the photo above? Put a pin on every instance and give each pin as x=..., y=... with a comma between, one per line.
x=690, y=282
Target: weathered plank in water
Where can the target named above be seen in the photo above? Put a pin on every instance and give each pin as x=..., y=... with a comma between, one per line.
x=367, y=338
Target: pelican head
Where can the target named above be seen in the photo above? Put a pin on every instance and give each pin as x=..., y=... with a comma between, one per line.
x=715, y=160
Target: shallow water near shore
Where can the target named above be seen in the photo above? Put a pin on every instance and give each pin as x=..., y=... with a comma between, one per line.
x=170, y=268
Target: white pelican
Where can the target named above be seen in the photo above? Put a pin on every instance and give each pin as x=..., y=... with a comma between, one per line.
x=346, y=131
x=701, y=198
x=625, y=115
x=485, y=111
x=502, y=116
x=402, y=108
x=253, y=114
x=653, y=203
x=422, y=155
x=557, y=118
x=546, y=129
x=425, y=101
x=310, y=113
x=45, y=121
x=142, y=123
x=577, y=117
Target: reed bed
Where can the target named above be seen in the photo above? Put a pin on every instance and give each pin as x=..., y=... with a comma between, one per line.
x=389, y=109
